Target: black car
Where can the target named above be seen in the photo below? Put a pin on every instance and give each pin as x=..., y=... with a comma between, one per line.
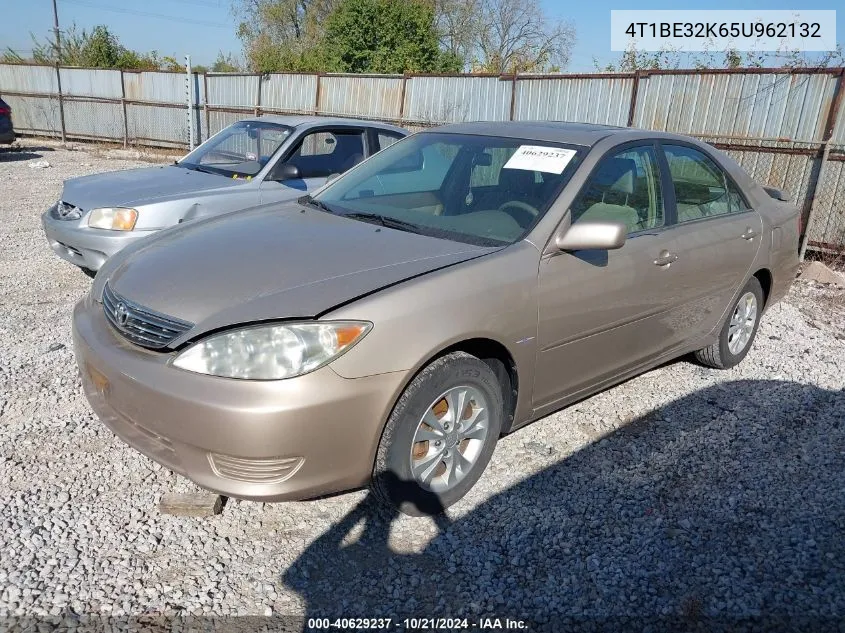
x=7, y=132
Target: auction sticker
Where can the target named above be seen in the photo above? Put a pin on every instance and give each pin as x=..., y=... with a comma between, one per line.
x=552, y=160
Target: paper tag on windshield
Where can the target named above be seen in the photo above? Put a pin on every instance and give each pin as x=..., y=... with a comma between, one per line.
x=552, y=160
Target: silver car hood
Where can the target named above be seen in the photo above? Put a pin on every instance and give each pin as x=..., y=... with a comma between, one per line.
x=135, y=187
x=271, y=263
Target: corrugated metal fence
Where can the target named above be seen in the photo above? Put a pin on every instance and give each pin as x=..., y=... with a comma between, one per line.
x=786, y=127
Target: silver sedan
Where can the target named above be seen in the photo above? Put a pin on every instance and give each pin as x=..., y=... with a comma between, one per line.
x=256, y=161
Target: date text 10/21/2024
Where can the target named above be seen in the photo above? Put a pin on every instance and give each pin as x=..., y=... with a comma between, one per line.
x=421, y=623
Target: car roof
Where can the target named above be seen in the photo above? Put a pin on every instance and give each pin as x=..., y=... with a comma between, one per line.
x=587, y=134
x=306, y=121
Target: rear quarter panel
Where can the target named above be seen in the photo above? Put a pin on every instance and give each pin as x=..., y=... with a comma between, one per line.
x=781, y=232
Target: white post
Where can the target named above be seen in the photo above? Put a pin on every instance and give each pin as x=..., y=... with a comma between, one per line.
x=190, y=98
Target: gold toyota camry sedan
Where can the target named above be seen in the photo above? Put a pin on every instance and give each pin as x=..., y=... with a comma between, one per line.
x=461, y=283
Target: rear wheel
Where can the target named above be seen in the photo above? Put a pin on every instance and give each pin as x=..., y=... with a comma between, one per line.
x=440, y=436
x=739, y=330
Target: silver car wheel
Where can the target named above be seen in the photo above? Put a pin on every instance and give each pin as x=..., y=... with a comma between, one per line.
x=449, y=438
x=742, y=323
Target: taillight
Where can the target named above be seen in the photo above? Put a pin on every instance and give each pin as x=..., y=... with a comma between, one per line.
x=5, y=110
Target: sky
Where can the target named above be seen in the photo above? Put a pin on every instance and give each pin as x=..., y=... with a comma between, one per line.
x=202, y=28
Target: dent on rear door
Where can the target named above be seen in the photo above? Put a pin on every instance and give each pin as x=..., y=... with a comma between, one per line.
x=714, y=258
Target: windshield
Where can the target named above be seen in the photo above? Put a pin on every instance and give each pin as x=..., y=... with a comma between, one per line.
x=240, y=150
x=478, y=189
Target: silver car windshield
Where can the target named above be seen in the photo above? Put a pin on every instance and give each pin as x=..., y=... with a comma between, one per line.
x=242, y=149
x=479, y=189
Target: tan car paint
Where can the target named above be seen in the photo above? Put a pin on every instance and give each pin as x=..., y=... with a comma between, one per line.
x=572, y=323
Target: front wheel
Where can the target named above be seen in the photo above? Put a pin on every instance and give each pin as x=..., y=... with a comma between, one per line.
x=739, y=330
x=440, y=436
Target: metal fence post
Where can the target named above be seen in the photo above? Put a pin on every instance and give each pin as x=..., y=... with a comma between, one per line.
x=827, y=134
x=205, y=106
x=123, y=103
x=257, y=109
x=513, y=97
x=317, y=95
x=635, y=87
x=61, y=103
x=190, y=95
x=402, y=98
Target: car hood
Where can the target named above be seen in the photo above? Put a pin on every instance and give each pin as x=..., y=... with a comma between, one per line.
x=134, y=187
x=276, y=263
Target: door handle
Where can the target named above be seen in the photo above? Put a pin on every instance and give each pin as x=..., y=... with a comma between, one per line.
x=749, y=234
x=666, y=258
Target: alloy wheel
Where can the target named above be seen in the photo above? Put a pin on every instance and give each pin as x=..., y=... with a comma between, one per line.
x=742, y=323
x=449, y=438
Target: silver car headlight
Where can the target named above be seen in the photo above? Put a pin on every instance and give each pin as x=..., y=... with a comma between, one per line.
x=272, y=352
x=113, y=218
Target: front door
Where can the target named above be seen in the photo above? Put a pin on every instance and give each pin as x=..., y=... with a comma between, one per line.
x=604, y=312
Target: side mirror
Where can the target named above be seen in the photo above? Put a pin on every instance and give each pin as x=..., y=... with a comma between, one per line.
x=583, y=236
x=286, y=171
x=331, y=177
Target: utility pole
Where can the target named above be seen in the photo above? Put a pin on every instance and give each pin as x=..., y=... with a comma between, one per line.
x=58, y=43
x=56, y=32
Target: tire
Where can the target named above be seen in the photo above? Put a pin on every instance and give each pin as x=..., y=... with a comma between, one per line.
x=429, y=393
x=724, y=354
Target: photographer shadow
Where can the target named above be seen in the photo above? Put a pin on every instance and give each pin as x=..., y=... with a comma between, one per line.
x=723, y=510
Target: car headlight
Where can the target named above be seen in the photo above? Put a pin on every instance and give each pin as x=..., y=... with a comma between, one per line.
x=113, y=219
x=272, y=352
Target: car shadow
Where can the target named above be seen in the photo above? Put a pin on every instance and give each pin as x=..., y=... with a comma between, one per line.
x=15, y=155
x=721, y=511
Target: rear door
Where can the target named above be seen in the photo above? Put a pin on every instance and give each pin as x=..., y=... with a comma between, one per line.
x=380, y=139
x=716, y=238
x=318, y=154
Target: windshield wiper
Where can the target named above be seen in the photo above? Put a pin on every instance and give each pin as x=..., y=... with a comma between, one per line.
x=385, y=221
x=313, y=202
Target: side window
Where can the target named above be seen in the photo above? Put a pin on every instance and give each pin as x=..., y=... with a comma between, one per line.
x=319, y=154
x=737, y=201
x=702, y=189
x=386, y=139
x=624, y=188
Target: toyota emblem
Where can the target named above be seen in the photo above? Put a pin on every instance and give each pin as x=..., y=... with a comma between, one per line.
x=121, y=314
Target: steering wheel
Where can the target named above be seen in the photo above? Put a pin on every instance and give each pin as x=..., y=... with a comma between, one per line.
x=521, y=208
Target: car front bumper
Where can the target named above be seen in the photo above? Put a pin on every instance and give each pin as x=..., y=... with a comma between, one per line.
x=261, y=440
x=82, y=245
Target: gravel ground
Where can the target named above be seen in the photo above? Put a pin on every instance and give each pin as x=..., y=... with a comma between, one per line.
x=685, y=493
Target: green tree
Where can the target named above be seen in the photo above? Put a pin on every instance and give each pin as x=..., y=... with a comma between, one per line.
x=282, y=34
x=99, y=48
x=225, y=64
x=384, y=36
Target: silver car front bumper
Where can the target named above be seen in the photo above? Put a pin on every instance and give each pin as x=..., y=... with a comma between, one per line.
x=81, y=245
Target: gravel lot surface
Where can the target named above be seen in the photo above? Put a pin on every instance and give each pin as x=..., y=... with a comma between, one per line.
x=686, y=492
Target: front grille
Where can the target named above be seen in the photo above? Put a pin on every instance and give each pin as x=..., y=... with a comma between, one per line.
x=142, y=326
x=271, y=470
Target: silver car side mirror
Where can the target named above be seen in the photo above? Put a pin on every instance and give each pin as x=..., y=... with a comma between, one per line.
x=583, y=236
